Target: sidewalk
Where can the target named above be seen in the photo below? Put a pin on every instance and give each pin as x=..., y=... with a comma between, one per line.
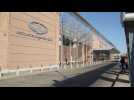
x=106, y=75
x=113, y=78
x=102, y=75
x=122, y=80
x=48, y=79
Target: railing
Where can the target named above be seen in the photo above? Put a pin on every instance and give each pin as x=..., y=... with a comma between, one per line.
x=80, y=64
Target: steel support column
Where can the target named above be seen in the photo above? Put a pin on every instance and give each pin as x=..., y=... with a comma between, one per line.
x=129, y=31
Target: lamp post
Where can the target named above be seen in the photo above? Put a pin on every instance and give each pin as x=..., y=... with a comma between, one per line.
x=61, y=50
x=75, y=47
x=61, y=39
x=83, y=54
x=71, y=54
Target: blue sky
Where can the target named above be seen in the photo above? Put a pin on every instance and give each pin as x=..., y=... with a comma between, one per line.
x=108, y=23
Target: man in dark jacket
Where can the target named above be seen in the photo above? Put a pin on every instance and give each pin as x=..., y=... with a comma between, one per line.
x=122, y=61
x=126, y=63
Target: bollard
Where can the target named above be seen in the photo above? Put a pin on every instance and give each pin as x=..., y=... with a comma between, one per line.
x=41, y=68
x=17, y=71
x=31, y=70
x=0, y=71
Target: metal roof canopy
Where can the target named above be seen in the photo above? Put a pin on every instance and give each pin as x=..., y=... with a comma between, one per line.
x=101, y=49
x=113, y=50
x=128, y=16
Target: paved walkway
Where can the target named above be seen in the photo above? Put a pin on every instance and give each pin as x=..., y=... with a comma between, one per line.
x=102, y=75
x=112, y=78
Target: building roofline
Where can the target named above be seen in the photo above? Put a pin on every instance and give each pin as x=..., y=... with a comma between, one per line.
x=82, y=18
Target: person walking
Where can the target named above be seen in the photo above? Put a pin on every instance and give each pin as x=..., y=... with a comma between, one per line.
x=122, y=61
x=126, y=63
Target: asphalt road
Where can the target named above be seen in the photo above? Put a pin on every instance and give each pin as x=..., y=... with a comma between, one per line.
x=103, y=75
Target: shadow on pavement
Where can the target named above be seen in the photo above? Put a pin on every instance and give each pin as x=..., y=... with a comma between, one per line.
x=114, y=73
x=85, y=79
x=117, y=73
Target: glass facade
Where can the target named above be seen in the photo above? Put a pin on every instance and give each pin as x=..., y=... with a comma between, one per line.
x=74, y=27
x=77, y=38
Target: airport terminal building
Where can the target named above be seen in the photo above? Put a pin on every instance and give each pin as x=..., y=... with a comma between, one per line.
x=41, y=40
x=28, y=39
